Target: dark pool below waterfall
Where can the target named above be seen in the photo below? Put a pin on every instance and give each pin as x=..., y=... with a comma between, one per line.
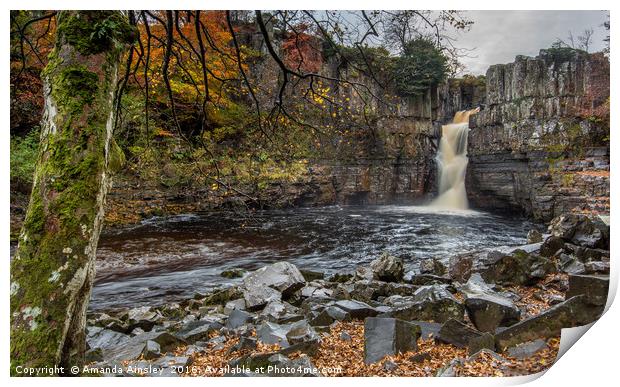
x=168, y=259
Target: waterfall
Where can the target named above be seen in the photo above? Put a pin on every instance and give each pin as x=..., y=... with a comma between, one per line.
x=452, y=162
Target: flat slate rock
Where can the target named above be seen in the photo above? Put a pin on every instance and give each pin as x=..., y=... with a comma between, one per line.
x=573, y=312
x=281, y=276
x=527, y=349
x=594, y=288
x=356, y=309
x=132, y=348
x=388, y=336
x=238, y=318
x=457, y=333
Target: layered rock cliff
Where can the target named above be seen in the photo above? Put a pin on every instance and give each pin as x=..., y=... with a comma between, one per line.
x=541, y=144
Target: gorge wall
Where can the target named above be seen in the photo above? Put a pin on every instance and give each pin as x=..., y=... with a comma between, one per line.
x=540, y=145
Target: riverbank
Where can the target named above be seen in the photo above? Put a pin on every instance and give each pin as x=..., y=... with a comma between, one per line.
x=495, y=312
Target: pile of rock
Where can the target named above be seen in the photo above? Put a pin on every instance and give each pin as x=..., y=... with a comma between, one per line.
x=278, y=304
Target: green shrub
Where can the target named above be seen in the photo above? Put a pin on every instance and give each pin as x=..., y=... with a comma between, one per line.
x=24, y=156
x=420, y=66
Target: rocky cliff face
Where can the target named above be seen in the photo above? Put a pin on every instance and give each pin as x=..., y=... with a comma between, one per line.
x=541, y=144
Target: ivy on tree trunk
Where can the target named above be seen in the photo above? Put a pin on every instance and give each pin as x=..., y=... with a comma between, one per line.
x=53, y=268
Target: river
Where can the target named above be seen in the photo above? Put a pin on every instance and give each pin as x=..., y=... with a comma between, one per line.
x=173, y=258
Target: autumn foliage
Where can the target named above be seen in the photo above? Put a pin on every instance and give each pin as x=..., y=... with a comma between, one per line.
x=302, y=50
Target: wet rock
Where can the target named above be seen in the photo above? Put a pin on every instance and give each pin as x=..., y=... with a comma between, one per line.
x=256, y=297
x=194, y=304
x=551, y=246
x=586, y=254
x=528, y=349
x=143, y=317
x=233, y=304
x=310, y=347
x=487, y=312
x=400, y=289
x=594, y=288
x=197, y=330
x=281, y=276
x=460, y=267
x=338, y=314
x=368, y=290
x=457, y=333
x=388, y=268
x=427, y=329
x=571, y=265
x=486, y=309
x=573, y=312
x=429, y=303
x=272, y=333
x=341, y=277
x=341, y=292
x=485, y=341
x=300, y=332
x=356, y=309
x=281, y=312
x=388, y=336
x=238, y=318
x=321, y=319
x=152, y=350
x=597, y=267
x=132, y=349
x=222, y=296
x=578, y=229
x=233, y=273
x=518, y=268
x=534, y=236
x=432, y=266
x=98, y=337
x=345, y=336
x=430, y=279
x=363, y=273
x=173, y=365
x=315, y=291
x=244, y=343
x=173, y=310
x=310, y=275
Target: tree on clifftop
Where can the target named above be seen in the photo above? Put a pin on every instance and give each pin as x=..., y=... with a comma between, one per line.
x=421, y=66
x=53, y=269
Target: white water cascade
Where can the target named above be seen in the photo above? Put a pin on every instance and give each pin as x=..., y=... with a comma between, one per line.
x=452, y=163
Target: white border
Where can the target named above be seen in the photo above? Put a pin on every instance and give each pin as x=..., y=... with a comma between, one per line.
x=592, y=361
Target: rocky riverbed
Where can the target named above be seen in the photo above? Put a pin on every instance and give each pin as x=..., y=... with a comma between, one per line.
x=495, y=312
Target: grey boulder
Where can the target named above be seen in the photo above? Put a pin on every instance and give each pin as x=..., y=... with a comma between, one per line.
x=281, y=276
x=388, y=336
x=388, y=268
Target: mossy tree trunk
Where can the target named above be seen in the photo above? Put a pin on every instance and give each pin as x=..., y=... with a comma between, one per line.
x=53, y=269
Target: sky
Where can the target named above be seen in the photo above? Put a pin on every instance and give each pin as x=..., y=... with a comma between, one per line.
x=499, y=36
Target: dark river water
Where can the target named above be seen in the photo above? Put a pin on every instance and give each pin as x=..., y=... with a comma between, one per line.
x=168, y=259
